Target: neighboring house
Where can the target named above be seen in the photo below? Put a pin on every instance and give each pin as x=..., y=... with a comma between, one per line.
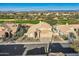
x=67, y=30
x=11, y=26
x=41, y=30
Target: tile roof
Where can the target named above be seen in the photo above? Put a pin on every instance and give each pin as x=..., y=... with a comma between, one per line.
x=66, y=28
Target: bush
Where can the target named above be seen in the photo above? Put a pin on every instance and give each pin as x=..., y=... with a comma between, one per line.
x=75, y=45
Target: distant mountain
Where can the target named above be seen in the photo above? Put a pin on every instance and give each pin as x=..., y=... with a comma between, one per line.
x=41, y=11
x=63, y=10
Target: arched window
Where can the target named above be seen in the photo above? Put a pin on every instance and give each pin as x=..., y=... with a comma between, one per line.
x=35, y=33
x=6, y=34
x=75, y=29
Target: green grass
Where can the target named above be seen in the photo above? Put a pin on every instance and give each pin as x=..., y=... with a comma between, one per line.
x=27, y=21
x=19, y=21
x=51, y=22
x=7, y=19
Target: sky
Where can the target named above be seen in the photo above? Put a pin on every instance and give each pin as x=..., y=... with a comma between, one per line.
x=38, y=6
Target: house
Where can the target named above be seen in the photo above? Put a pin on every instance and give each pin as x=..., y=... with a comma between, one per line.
x=40, y=31
x=11, y=26
x=68, y=30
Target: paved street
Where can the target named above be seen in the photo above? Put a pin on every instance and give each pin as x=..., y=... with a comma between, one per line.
x=34, y=49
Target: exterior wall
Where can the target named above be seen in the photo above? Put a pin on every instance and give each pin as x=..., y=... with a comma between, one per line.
x=31, y=35
x=2, y=33
x=46, y=36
